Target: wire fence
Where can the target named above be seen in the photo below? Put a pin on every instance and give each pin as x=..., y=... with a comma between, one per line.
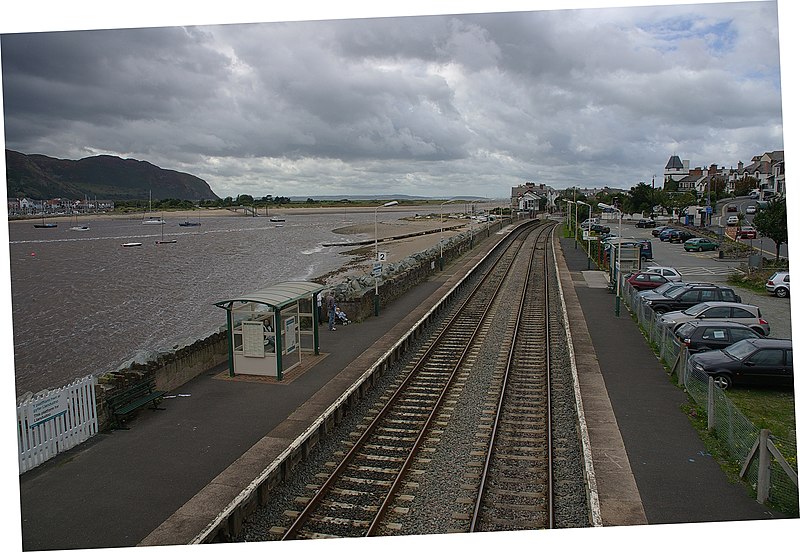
x=768, y=464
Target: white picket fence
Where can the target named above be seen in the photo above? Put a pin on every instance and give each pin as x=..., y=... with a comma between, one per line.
x=54, y=421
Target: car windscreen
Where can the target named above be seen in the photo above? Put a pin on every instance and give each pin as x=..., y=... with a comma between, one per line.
x=672, y=293
x=695, y=310
x=740, y=349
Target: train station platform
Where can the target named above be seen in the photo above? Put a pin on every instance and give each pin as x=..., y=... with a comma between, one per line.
x=151, y=484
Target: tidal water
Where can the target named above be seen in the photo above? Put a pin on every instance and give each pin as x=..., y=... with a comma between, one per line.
x=83, y=304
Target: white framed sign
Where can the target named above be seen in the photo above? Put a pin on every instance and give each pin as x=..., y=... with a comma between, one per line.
x=253, y=338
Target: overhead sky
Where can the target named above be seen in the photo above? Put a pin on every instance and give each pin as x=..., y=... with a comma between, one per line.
x=435, y=105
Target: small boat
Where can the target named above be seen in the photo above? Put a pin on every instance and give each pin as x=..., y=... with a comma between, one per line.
x=152, y=219
x=131, y=244
x=44, y=224
x=162, y=240
x=77, y=227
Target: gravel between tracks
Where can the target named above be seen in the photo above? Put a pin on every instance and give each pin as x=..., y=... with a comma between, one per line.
x=435, y=507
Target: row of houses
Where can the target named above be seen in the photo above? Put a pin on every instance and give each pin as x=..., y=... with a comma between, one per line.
x=26, y=206
x=766, y=169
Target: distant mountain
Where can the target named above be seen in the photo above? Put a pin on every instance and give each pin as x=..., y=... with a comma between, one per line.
x=102, y=176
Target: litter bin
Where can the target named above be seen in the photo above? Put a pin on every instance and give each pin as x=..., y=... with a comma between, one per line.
x=721, y=254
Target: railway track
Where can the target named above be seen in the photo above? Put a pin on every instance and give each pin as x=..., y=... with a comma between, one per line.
x=356, y=495
x=434, y=450
x=516, y=488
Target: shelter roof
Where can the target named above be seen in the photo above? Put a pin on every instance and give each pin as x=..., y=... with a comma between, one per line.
x=277, y=295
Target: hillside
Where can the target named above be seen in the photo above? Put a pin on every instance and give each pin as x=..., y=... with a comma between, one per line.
x=102, y=176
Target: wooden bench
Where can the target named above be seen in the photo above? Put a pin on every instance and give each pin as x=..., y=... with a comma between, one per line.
x=123, y=404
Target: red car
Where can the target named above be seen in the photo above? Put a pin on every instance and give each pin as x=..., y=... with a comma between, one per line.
x=746, y=232
x=646, y=280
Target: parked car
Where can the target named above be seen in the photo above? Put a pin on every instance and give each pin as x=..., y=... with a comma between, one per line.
x=657, y=230
x=753, y=194
x=690, y=296
x=746, y=232
x=646, y=280
x=666, y=235
x=645, y=223
x=680, y=236
x=700, y=244
x=749, y=315
x=778, y=284
x=732, y=220
x=671, y=274
x=751, y=210
x=600, y=229
x=670, y=289
x=705, y=335
x=748, y=362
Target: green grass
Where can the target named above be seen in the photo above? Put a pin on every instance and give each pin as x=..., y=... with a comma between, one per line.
x=767, y=408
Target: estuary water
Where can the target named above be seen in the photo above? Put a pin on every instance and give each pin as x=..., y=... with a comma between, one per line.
x=83, y=304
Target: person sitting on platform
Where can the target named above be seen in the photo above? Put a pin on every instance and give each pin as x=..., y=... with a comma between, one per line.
x=341, y=317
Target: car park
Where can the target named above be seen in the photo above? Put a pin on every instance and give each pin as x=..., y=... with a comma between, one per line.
x=751, y=210
x=778, y=284
x=705, y=335
x=746, y=232
x=748, y=315
x=700, y=244
x=671, y=274
x=646, y=280
x=688, y=296
x=645, y=223
x=765, y=362
x=732, y=220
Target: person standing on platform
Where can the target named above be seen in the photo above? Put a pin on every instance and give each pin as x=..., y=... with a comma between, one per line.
x=331, y=304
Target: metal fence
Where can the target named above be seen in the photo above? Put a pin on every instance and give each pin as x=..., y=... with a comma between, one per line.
x=53, y=421
x=767, y=463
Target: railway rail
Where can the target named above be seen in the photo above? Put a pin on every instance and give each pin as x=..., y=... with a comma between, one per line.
x=382, y=477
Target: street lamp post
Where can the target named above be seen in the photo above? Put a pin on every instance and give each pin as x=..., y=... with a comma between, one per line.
x=589, y=244
x=619, y=251
x=569, y=215
x=377, y=299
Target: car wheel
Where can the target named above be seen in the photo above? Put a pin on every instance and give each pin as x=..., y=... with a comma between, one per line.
x=782, y=292
x=723, y=381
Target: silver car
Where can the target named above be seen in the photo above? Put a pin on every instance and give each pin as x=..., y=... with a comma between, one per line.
x=748, y=315
x=778, y=284
x=671, y=274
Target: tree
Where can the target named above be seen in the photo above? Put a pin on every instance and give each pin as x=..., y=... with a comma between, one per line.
x=771, y=222
x=641, y=199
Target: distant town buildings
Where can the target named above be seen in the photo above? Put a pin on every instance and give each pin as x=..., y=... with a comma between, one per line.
x=57, y=206
x=767, y=170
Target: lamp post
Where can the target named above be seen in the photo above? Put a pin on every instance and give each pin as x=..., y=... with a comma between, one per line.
x=377, y=299
x=619, y=251
x=575, y=222
x=589, y=247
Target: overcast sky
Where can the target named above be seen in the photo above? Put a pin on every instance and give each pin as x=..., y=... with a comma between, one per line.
x=439, y=105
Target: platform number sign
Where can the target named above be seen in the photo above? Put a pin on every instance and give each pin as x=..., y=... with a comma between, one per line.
x=381, y=256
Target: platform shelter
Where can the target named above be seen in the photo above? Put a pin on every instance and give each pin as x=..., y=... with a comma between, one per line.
x=270, y=330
